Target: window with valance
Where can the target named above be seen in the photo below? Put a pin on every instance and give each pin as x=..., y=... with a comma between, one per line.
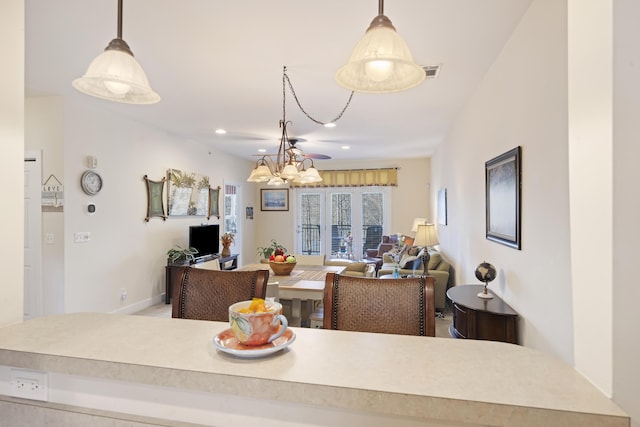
x=354, y=178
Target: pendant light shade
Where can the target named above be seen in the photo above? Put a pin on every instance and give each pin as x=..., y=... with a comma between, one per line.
x=381, y=61
x=115, y=75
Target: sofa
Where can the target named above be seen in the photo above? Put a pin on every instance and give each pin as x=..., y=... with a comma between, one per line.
x=353, y=268
x=411, y=263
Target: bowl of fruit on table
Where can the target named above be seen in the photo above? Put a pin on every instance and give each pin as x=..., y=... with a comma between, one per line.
x=282, y=264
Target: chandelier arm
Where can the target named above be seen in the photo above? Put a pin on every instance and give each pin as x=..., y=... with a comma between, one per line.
x=295, y=96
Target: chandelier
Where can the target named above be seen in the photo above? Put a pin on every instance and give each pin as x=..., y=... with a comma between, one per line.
x=289, y=164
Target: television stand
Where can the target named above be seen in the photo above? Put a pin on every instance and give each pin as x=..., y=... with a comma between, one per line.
x=229, y=262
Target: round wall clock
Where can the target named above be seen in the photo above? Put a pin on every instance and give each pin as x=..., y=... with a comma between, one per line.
x=91, y=183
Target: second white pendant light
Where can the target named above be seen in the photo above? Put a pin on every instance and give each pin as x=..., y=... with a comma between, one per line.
x=381, y=61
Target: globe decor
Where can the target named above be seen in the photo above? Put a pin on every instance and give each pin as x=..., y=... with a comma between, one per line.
x=485, y=272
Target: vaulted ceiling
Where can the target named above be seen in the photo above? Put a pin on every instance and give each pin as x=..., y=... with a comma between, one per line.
x=218, y=64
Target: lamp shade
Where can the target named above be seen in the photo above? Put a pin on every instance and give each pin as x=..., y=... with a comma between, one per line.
x=380, y=62
x=312, y=175
x=426, y=236
x=115, y=75
x=417, y=222
x=260, y=174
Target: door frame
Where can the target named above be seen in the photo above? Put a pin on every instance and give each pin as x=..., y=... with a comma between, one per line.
x=33, y=283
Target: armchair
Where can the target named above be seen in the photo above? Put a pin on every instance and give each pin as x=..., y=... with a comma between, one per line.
x=387, y=243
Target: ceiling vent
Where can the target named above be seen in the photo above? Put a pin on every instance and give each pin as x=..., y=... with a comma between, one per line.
x=431, y=71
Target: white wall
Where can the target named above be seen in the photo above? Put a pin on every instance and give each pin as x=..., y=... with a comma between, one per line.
x=626, y=206
x=521, y=101
x=124, y=252
x=524, y=101
x=12, y=160
x=590, y=148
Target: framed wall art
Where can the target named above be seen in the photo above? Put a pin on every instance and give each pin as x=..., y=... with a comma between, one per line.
x=274, y=199
x=503, y=198
x=155, y=203
x=187, y=193
x=442, y=206
x=214, y=202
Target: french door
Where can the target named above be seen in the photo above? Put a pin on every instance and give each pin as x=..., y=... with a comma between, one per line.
x=341, y=222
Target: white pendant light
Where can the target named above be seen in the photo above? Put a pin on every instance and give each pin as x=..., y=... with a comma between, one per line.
x=115, y=75
x=381, y=61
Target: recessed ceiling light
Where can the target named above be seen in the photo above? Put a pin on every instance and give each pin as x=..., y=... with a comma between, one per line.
x=330, y=125
x=221, y=131
x=262, y=150
x=345, y=147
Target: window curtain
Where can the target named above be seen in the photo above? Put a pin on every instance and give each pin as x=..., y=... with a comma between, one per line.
x=354, y=178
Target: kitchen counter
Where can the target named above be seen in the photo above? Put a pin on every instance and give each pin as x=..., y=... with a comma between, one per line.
x=323, y=375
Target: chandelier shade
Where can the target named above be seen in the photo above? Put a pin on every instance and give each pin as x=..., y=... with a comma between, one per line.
x=115, y=75
x=381, y=61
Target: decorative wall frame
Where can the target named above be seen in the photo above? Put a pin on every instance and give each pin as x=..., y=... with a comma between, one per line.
x=503, y=198
x=274, y=199
x=187, y=193
x=155, y=201
x=214, y=202
x=442, y=206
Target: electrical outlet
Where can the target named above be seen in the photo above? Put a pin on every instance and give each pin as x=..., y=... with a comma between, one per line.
x=29, y=384
x=123, y=295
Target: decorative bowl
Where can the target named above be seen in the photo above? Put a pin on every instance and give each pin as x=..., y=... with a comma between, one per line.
x=282, y=268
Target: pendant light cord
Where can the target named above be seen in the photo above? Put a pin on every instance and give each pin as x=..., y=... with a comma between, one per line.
x=285, y=77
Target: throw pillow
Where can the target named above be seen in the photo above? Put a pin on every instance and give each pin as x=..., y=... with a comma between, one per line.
x=356, y=266
x=434, y=261
x=406, y=260
x=414, y=250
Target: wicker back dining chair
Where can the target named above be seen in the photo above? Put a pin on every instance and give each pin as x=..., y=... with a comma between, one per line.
x=390, y=306
x=207, y=294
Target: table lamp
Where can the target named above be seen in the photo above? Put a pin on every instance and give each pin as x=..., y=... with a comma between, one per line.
x=426, y=236
x=417, y=222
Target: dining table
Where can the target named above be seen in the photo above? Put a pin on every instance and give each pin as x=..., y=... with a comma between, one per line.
x=304, y=283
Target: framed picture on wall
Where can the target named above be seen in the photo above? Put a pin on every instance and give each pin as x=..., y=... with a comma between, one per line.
x=214, y=202
x=442, y=206
x=503, y=198
x=274, y=199
x=187, y=193
x=155, y=206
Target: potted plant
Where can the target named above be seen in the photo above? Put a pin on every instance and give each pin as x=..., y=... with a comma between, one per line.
x=181, y=255
x=267, y=251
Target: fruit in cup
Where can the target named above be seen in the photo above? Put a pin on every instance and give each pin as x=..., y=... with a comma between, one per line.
x=290, y=258
x=279, y=258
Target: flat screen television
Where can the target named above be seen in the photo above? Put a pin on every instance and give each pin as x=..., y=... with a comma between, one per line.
x=205, y=238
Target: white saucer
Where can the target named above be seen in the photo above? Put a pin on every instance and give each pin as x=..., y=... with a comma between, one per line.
x=226, y=342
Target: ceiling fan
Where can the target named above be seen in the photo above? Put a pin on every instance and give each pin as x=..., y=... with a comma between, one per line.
x=316, y=156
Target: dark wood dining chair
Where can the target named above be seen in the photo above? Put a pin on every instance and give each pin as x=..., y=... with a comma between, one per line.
x=207, y=294
x=390, y=306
